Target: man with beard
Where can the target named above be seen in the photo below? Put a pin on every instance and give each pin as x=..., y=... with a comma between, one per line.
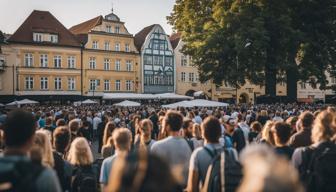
x=187, y=128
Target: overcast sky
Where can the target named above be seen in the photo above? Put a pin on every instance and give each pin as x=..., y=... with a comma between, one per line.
x=136, y=14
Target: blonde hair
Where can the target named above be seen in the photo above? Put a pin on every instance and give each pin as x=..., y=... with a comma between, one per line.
x=324, y=126
x=197, y=132
x=267, y=132
x=122, y=139
x=43, y=145
x=80, y=152
x=144, y=126
x=263, y=113
x=109, y=127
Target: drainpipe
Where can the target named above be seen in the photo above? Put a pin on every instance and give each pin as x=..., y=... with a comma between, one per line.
x=81, y=53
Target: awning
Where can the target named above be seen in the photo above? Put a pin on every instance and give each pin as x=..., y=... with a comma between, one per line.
x=196, y=103
x=127, y=103
x=172, y=96
x=135, y=96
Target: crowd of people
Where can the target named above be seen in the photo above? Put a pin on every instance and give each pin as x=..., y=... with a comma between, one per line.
x=280, y=147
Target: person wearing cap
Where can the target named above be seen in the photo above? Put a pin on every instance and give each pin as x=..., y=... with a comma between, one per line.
x=238, y=138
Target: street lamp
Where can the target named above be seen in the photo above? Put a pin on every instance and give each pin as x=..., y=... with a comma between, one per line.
x=237, y=58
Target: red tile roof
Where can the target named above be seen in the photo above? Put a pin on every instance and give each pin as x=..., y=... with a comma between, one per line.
x=175, y=39
x=85, y=27
x=140, y=37
x=45, y=22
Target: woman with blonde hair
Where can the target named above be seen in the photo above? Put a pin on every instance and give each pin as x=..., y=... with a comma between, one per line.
x=41, y=151
x=84, y=177
x=267, y=134
x=145, y=128
x=109, y=128
x=316, y=163
x=108, y=148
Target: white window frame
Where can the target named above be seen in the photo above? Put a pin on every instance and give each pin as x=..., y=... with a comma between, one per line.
x=44, y=83
x=183, y=76
x=92, y=63
x=29, y=83
x=108, y=29
x=107, y=46
x=107, y=64
x=117, y=85
x=117, y=47
x=117, y=29
x=107, y=85
x=58, y=61
x=95, y=45
x=71, y=62
x=28, y=60
x=128, y=65
x=58, y=83
x=129, y=86
x=71, y=83
x=53, y=38
x=44, y=60
x=38, y=37
x=127, y=47
x=191, y=77
x=93, y=84
x=117, y=65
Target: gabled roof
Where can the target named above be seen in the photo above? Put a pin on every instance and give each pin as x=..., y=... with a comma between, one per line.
x=175, y=39
x=140, y=37
x=44, y=22
x=85, y=27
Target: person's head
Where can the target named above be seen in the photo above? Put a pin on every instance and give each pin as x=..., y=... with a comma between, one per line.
x=281, y=133
x=197, y=131
x=267, y=135
x=61, y=139
x=122, y=139
x=292, y=122
x=109, y=128
x=306, y=119
x=266, y=171
x=146, y=127
x=187, y=127
x=80, y=153
x=19, y=129
x=263, y=113
x=324, y=127
x=256, y=127
x=230, y=125
x=277, y=114
x=60, y=122
x=211, y=129
x=42, y=144
x=49, y=121
x=141, y=171
x=173, y=121
x=74, y=126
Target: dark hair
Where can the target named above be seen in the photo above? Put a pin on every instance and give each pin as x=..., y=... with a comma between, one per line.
x=19, y=127
x=256, y=126
x=186, y=123
x=307, y=119
x=174, y=120
x=212, y=129
x=60, y=122
x=61, y=138
x=282, y=131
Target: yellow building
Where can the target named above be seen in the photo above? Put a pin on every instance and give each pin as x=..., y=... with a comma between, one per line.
x=110, y=59
x=42, y=61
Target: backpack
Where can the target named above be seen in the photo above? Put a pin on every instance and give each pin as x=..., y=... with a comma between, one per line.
x=318, y=168
x=21, y=175
x=224, y=173
x=85, y=180
x=190, y=143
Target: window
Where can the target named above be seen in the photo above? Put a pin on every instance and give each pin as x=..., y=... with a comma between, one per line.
x=106, y=64
x=108, y=29
x=303, y=85
x=106, y=85
x=92, y=63
x=117, y=85
x=44, y=83
x=127, y=48
x=57, y=61
x=183, y=76
x=71, y=62
x=54, y=38
x=117, y=65
x=196, y=78
x=117, y=29
x=95, y=45
x=333, y=80
x=71, y=84
x=148, y=60
x=168, y=61
x=128, y=85
x=184, y=60
x=38, y=37
x=44, y=60
x=107, y=45
x=117, y=47
x=93, y=84
x=128, y=65
x=191, y=77
x=58, y=83
x=158, y=60
x=28, y=62
x=29, y=83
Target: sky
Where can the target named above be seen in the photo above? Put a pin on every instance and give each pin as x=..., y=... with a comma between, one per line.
x=136, y=14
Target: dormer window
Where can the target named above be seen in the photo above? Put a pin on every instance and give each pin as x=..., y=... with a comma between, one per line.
x=54, y=38
x=117, y=29
x=38, y=37
x=95, y=45
x=108, y=29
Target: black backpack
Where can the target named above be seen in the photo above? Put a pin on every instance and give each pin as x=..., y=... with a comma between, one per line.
x=85, y=180
x=221, y=178
x=318, y=168
x=21, y=175
x=190, y=143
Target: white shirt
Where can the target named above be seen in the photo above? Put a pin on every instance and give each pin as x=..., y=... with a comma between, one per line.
x=96, y=121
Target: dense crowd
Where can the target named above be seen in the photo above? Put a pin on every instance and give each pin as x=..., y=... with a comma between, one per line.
x=280, y=147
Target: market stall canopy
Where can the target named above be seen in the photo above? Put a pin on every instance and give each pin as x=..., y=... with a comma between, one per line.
x=1, y=105
x=27, y=102
x=172, y=96
x=198, y=93
x=123, y=96
x=178, y=104
x=127, y=103
x=89, y=101
x=13, y=103
x=206, y=103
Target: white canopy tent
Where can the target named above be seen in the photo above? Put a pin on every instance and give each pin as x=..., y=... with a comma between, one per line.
x=198, y=93
x=88, y=101
x=123, y=96
x=27, y=102
x=178, y=104
x=1, y=105
x=13, y=103
x=196, y=103
x=172, y=96
x=127, y=103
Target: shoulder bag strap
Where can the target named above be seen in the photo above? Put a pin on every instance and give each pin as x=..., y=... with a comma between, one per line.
x=222, y=170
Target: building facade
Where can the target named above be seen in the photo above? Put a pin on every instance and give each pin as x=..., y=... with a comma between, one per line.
x=110, y=59
x=42, y=60
x=157, y=60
